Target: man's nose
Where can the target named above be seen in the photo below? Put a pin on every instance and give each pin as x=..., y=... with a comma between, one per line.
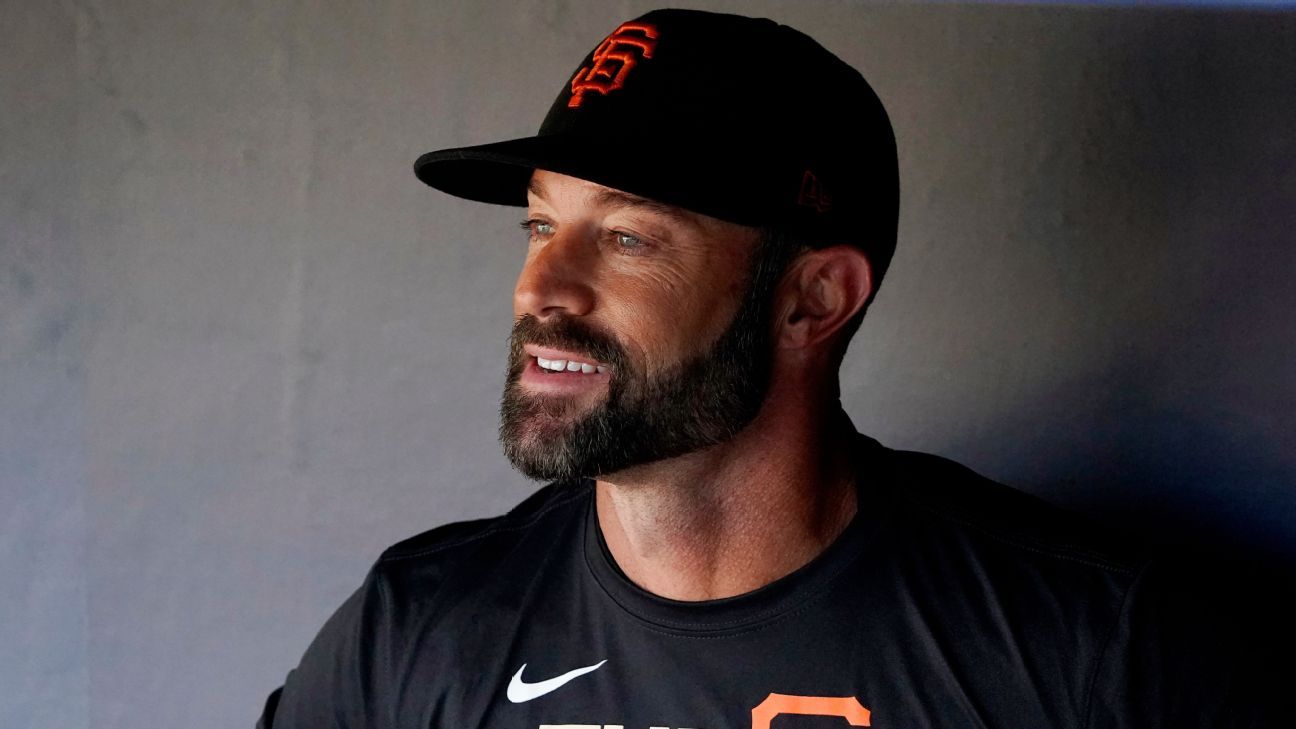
x=556, y=279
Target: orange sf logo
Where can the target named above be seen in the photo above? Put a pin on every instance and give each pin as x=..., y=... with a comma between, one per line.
x=613, y=59
x=847, y=707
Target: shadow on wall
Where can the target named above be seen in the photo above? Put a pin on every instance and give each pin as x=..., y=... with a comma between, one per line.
x=1179, y=419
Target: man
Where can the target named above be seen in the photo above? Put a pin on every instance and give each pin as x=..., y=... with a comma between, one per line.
x=712, y=204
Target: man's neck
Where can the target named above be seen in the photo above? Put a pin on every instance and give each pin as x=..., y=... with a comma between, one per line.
x=734, y=517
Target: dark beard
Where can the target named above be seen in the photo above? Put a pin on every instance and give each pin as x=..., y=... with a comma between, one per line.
x=696, y=403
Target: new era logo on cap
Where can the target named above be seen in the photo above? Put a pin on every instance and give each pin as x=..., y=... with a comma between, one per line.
x=813, y=195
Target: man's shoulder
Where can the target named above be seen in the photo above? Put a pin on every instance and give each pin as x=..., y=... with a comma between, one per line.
x=953, y=498
x=556, y=500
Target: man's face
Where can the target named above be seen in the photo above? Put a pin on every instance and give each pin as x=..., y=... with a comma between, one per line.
x=639, y=333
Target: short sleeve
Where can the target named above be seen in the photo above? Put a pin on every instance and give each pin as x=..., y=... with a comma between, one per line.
x=337, y=684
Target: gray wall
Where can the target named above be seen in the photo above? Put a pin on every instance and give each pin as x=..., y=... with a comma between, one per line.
x=242, y=349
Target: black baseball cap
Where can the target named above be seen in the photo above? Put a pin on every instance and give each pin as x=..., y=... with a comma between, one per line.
x=742, y=119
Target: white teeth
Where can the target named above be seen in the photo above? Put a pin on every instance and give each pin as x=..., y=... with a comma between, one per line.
x=558, y=365
x=566, y=365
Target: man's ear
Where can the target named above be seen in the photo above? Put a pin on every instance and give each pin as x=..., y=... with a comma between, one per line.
x=823, y=290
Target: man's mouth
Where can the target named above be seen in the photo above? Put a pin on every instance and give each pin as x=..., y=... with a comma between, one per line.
x=569, y=365
x=557, y=372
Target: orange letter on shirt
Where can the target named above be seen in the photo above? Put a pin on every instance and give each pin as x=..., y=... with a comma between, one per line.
x=847, y=707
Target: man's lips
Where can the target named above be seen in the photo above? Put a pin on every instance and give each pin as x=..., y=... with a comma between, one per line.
x=556, y=371
x=559, y=360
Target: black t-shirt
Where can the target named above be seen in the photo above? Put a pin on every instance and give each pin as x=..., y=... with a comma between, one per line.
x=949, y=601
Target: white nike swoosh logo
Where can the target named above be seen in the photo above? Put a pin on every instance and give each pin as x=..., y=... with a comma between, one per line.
x=519, y=690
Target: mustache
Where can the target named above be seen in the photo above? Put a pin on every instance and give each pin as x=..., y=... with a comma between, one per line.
x=565, y=333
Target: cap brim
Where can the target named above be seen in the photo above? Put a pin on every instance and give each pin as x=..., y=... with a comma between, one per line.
x=499, y=173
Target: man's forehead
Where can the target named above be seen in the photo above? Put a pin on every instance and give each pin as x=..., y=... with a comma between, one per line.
x=544, y=185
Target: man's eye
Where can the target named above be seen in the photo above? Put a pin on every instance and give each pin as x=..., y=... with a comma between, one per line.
x=625, y=240
x=537, y=227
